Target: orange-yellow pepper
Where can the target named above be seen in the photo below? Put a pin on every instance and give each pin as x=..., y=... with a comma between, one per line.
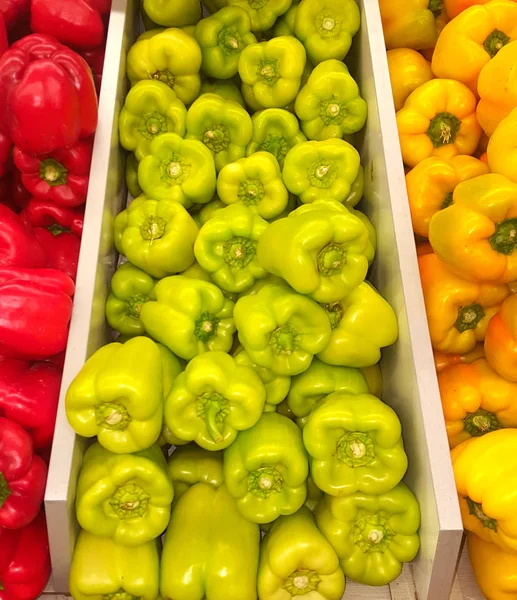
x=431, y=183
x=458, y=310
x=476, y=401
x=454, y=7
x=495, y=570
x=438, y=119
x=502, y=148
x=472, y=39
x=443, y=361
x=410, y=23
x=423, y=248
x=497, y=88
x=477, y=235
x=408, y=71
x=501, y=340
x=486, y=480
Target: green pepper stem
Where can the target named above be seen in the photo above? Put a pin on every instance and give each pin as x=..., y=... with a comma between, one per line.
x=217, y=138
x=5, y=492
x=134, y=305
x=469, y=317
x=372, y=533
x=476, y=509
x=153, y=228
x=285, y=340
x=53, y=172
x=265, y=481
x=436, y=7
x=239, y=252
x=129, y=501
x=301, y=582
x=331, y=259
x=113, y=416
x=495, y=41
x=206, y=327
x=355, y=449
x=480, y=422
x=443, y=129
x=447, y=201
x=504, y=239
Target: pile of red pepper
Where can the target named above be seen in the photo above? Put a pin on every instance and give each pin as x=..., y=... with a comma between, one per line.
x=51, y=57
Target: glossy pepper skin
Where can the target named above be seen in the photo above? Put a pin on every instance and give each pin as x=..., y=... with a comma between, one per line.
x=151, y=109
x=430, y=186
x=329, y=105
x=408, y=71
x=131, y=173
x=458, y=310
x=177, y=14
x=485, y=481
x=36, y=307
x=222, y=38
x=101, y=567
x=475, y=36
x=172, y=57
x=321, y=169
x=475, y=401
x=19, y=246
x=372, y=535
x=281, y=329
x=476, y=235
x=501, y=340
x=275, y=130
x=189, y=316
x=24, y=560
x=502, y=149
x=178, y=169
x=117, y=396
x=266, y=469
x=443, y=361
x=409, y=25
x=23, y=476
x=271, y=71
x=438, y=119
x=219, y=549
x=454, y=7
x=226, y=88
x=227, y=396
x=355, y=445
x=223, y=126
x=262, y=16
x=29, y=395
x=157, y=236
x=5, y=150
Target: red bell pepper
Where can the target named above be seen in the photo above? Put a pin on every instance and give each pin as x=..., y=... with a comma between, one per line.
x=23, y=476
x=35, y=310
x=24, y=561
x=20, y=196
x=60, y=176
x=13, y=11
x=4, y=44
x=47, y=95
x=29, y=395
x=5, y=152
x=18, y=245
x=58, y=230
x=95, y=58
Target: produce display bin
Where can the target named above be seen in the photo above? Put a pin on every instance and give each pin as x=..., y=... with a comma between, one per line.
x=410, y=384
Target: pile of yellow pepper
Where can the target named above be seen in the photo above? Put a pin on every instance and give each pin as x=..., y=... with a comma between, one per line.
x=453, y=69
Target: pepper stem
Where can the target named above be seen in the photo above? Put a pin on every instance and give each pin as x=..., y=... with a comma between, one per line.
x=301, y=582
x=480, y=422
x=436, y=7
x=129, y=501
x=206, y=327
x=5, y=492
x=476, y=509
x=495, y=41
x=134, y=305
x=265, y=481
x=113, y=416
x=239, y=252
x=153, y=228
x=53, y=172
x=504, y=239
x=355, y=449
x=331, y=259
x=217, y=138
x=285, y=339
x=372, y=533
x=334, y=313
x=447, y=201
x=469, y=317
x=443, y=129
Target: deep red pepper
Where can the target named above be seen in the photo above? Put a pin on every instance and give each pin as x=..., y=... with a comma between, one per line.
x=47, y=95
x=24, y=561
x=95, y=59
x=13, y=11
x=19, y=195
x=35, y=310
x=4, y=44
x=29, y=395
x=23, y=476
x=5, y=152
x=18, y=245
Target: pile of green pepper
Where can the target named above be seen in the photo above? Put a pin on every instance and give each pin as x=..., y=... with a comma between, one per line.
x=249, y=336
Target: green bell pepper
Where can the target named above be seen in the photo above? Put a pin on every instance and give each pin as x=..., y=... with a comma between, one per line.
x=272, y=70
x=280, y=329
x=326, y=27
x=173, y=14
x=126, y=497
x=170, y=56
x=355, y=445
x=296, y=560
x=372, y=535
x=191, y=464
x=226, y=88
x=226, y=247
x=356, y=191
x=189, y=316
x=118, y=396
x=277, y=386
x=151, y=109
x=222, y=37
x=130, y=289
x=214, y=5
x=211, y=550
x=314, y=495
x=178, y=169
x=330, y=105
x=102, y=569
x=362, y=323
x=132, y=175
x=213, y=399
x=285, y=23
x=266, y=469
x=206, y=213
x=263, y=14
x=321, y=252
x=157, y=236
x=256, y=182
x=275, y=130
x=223, y=126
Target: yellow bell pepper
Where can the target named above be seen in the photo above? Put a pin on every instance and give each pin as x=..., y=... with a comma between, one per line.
x=486, y=481
x=476, y=401
x=501, y=340
x=497, y=88
x=502, y=148
x=458, y=311
x=495, y=570
x=477, y=235
x=408, y=71
x=438, y=119
x=454, y=7
x=409, y=23
x=443, y=361
x=431, y=183
x=472, y=39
